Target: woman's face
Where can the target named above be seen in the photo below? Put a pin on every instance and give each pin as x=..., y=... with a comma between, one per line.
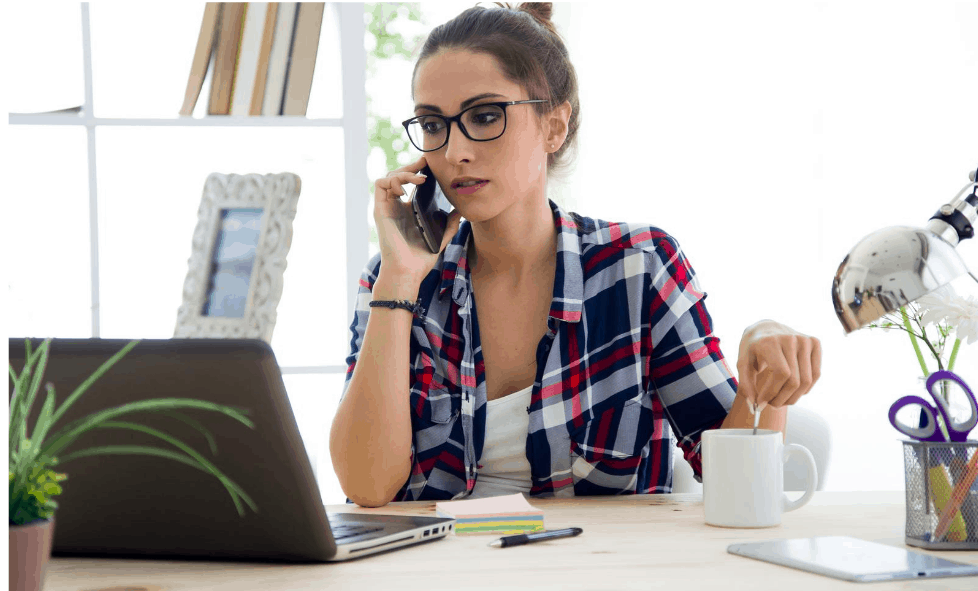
x=515, y=164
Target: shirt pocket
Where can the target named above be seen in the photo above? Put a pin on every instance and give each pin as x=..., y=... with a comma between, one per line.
x=614, y=432
x=432, y=399
x=437, y=406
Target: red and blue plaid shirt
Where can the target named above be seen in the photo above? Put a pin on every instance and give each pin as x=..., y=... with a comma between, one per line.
x=630, y=357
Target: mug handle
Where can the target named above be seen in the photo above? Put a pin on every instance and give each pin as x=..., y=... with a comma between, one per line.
x=792, y=449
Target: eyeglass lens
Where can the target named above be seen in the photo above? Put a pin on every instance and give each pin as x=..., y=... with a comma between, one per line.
x=429, y=132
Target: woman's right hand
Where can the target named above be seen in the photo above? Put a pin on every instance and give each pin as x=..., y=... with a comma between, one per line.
x=402, y=249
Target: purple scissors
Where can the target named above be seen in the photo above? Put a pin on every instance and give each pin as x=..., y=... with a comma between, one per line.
x=929, y=431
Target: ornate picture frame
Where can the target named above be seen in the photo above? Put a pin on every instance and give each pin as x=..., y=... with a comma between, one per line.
x=238, y=258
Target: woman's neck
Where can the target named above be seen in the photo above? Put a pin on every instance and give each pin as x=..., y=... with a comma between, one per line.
x=516, y=245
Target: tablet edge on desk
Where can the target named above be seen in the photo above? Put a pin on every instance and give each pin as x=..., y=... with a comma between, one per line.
x=743, y=548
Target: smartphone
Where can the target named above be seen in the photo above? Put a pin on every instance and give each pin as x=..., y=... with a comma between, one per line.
x=429, y=214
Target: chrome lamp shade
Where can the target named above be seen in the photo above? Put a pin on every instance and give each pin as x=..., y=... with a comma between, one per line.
x=894, y=266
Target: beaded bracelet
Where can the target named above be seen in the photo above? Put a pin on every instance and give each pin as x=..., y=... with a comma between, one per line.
x=413, y=307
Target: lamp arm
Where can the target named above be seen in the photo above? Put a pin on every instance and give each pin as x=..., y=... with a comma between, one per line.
x=955, y=221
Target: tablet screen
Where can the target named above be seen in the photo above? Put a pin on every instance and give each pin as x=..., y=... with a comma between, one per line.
x=852, y=559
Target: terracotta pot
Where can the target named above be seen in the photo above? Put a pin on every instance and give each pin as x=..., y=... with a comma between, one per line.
x=30, y=549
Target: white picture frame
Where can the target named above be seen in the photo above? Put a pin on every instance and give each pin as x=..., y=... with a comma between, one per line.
x=238, y=257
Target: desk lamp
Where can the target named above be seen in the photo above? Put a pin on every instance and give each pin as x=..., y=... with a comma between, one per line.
x=897, y=265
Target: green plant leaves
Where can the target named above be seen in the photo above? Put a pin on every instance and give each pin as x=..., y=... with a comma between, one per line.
x=64, y=437
x=91, y=379
x=30, y=498
x=32, y=451
x=19, y=408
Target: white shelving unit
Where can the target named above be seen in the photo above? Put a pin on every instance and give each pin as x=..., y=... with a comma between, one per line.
x=353, y=124
x=216, y=121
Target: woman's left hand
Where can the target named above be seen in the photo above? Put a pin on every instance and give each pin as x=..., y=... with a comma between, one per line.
x=777, y=364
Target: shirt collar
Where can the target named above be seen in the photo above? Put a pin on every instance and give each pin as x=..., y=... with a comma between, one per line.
x=568, y=291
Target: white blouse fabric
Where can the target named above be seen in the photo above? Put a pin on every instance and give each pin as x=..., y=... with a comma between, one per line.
x=504, y=467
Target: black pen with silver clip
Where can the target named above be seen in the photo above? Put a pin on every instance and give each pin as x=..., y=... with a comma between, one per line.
x=520, y=539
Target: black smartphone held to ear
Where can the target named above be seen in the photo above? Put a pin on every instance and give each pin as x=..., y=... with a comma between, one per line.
x=428, y=216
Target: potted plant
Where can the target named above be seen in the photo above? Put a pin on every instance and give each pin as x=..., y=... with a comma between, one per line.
x=36, y=451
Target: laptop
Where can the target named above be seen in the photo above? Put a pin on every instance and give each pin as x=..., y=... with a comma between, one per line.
x=139, y=506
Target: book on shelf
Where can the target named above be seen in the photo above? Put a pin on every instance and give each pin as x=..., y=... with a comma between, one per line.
x=249, y=51
x=261, y=71
x=305, y=45
x=504, y=514
x=202, y=56
x=263, y=56
x=66, y=111
x=225, y=58
x=278, y=59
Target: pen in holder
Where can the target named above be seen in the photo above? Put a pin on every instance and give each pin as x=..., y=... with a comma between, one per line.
x=942, y=494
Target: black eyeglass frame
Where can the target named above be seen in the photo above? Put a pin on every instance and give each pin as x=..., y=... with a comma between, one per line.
x=458, y=119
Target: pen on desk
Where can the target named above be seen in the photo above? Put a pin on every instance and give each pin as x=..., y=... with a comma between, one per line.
x=520, y=539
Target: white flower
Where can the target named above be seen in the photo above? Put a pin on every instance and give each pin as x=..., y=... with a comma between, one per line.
x=964, y=318
x=938, y=305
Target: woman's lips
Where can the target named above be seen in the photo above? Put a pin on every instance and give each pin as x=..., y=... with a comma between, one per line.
x=471, y=189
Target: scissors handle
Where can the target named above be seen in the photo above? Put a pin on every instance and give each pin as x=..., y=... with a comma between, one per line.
x=929, y=432
x=956, y=431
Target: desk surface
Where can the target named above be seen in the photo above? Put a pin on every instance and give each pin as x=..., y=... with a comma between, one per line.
x=629, y=542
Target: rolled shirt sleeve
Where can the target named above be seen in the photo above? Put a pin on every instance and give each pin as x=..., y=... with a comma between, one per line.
x=361, y=315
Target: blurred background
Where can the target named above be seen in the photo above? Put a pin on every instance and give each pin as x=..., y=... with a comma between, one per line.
x=767, y=137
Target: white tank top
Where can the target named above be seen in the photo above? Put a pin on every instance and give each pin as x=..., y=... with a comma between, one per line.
x=505, y=469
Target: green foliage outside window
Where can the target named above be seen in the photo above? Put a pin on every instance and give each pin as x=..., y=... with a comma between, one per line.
x=388, y=44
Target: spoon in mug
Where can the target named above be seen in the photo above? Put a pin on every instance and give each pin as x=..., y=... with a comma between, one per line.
x=756, y=413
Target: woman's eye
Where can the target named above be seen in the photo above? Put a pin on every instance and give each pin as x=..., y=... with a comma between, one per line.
x=486, y=118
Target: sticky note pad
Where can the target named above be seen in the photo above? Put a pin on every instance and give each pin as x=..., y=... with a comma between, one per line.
x=506, y=514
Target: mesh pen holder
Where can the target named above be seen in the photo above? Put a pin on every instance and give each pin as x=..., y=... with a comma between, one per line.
x=934, y=471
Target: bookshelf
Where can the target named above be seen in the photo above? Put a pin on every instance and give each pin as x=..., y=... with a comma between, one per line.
x=313, y=387
x=355, y=147
x=215, y=121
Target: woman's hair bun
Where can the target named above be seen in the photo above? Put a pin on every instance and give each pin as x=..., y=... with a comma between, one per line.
x=542, y=12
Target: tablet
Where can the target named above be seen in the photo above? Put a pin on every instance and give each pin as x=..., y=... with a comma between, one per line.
x=852, y=559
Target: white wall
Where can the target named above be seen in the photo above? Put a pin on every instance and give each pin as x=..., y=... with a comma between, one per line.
x=769, y=138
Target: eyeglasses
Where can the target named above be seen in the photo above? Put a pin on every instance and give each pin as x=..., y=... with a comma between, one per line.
x=480, y=123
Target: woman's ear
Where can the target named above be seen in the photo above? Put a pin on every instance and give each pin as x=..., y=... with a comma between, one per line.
x=556, y=125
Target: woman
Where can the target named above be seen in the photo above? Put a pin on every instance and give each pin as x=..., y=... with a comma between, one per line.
x=540, y=351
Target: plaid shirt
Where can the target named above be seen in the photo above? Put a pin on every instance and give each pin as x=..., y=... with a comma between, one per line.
x=629, y=357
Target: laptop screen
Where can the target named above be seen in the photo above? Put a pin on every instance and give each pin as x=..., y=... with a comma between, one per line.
x=139, y=505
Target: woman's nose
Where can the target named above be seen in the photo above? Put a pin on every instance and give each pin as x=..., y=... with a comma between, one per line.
x=458, y=147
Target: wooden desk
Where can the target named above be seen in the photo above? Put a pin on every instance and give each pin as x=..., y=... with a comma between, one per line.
x=629, y=542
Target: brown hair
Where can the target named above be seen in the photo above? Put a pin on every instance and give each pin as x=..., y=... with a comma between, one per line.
x=530, y=52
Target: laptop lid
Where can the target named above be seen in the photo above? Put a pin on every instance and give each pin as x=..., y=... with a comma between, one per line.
x=141, y=506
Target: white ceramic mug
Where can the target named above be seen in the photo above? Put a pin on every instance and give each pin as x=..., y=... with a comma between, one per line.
x=743, y=477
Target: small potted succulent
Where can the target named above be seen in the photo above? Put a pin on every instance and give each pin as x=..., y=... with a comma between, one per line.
x=36, y=451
